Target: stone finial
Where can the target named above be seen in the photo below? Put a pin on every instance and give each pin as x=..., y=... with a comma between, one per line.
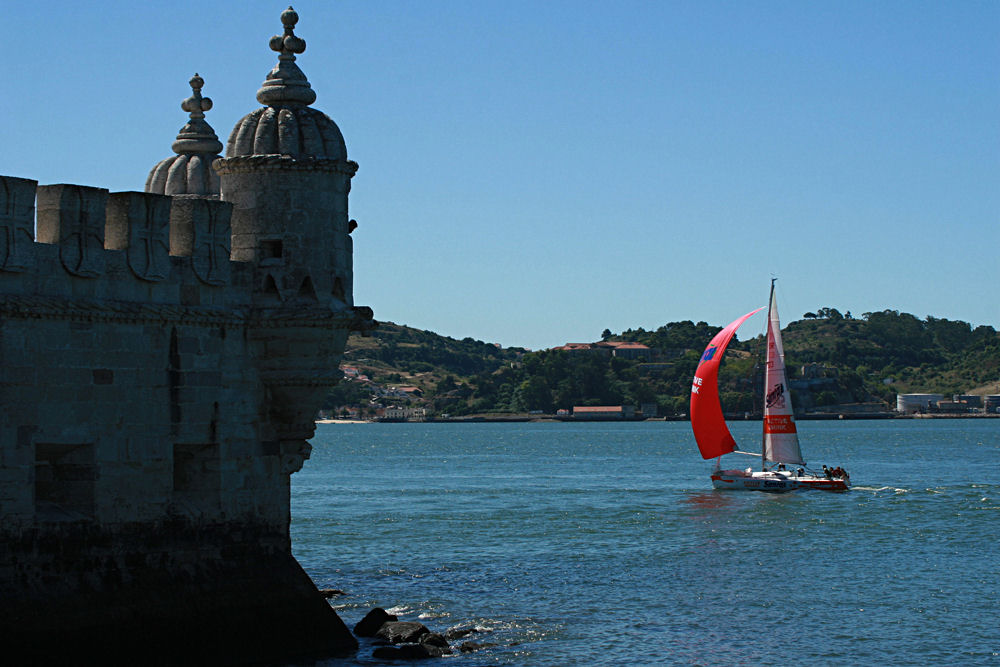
x=196, y=104
x=286, y=84
x=197, y=136
x=288, y=42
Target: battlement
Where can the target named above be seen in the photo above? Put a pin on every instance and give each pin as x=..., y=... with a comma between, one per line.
x=134, y=296
x=125, y=246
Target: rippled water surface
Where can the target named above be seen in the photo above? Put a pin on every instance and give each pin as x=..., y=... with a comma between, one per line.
x=582, y=544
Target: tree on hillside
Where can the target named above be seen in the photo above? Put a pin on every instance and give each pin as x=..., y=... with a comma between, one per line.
x=952, y=336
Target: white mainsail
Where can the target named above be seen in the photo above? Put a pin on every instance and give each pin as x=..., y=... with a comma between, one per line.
x=781, y=441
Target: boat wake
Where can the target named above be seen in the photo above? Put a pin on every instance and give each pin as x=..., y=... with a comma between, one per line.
x=891, y=489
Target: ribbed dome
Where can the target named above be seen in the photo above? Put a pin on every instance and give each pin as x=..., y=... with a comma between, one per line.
x=287, y=126
x=297, y=131
x=190, y=171
x=184, y=175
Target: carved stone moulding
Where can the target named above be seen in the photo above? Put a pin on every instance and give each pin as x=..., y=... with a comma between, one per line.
x=325, y=377
x=200, y=229
x=17, y=223
x=93, y=310
x=139, y=224
x=73, y=217
x=294, y=454
x=259, y=163
x=354, y=318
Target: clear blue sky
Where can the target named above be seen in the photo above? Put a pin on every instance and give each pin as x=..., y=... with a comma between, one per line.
x=535, y=172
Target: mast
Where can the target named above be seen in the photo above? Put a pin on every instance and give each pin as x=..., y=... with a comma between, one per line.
x=767, y=349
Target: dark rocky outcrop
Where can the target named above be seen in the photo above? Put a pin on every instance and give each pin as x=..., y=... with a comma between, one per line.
x=373, y=620
x=412, y=640
x=409, y=652
x=472, y=647
x=402, y=632
x=434, y=639
x=329, y=593
x=452, y=634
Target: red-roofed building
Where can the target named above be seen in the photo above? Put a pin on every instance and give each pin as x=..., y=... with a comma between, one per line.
x=595, y=412
x=582, y=347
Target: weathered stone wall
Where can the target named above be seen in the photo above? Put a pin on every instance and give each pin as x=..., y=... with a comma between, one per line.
x=145, y=446
x=162, y=359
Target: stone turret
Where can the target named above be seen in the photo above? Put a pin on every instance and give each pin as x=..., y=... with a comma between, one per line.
x=287, y=175
x=190, y=172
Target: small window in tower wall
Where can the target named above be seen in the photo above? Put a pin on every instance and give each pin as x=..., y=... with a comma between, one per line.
x=64, y=481
x=197, y=475
x=271, y=249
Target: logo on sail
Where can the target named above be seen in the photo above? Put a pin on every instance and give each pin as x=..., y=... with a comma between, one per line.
x=776, y=397
x=779, y=424
x=709, y=353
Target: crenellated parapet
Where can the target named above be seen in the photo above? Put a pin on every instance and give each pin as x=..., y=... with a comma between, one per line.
x=17, y=223
x=125, y=246
x=200, y=230
x=140, y=255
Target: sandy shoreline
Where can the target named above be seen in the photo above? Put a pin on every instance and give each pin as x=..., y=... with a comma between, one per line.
x=343, y=421
x=548, y=419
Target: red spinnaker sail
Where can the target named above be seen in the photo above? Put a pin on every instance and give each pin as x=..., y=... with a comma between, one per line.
x=710, y=430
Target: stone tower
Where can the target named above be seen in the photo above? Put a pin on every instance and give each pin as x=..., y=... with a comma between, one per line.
x=287, y=175
x=163, y=355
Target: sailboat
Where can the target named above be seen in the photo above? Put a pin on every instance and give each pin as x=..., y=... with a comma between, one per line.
x=782, y=466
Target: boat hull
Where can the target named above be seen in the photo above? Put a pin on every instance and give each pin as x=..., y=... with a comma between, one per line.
x=774, y=482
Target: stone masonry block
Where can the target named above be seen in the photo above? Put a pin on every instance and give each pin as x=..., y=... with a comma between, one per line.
x=17, y=223
x=188, y=345
x=72, y=216
x=103, y=376
x=23, y=376
x=200, y=229
x=139, y=223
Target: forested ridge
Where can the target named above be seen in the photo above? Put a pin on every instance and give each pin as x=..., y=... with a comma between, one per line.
x=833, y=359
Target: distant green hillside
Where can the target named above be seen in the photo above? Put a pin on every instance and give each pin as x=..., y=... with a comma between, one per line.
x=932, y=355
x=395, y=355
x=833, y=359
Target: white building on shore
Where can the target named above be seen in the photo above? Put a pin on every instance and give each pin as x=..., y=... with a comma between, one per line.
x=908, y=404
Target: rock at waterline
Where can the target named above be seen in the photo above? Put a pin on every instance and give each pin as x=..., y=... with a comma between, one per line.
x=434, y=639
x=373, y=620
x=409, y=652
x=402, y=632
x=331, y=592
x=472, y=647
x=458, y=633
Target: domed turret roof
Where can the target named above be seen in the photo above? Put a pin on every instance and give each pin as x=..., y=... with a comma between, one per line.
x=287, y=125
x=190, y=172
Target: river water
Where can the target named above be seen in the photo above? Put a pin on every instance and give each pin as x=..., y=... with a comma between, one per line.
x=604, y=543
